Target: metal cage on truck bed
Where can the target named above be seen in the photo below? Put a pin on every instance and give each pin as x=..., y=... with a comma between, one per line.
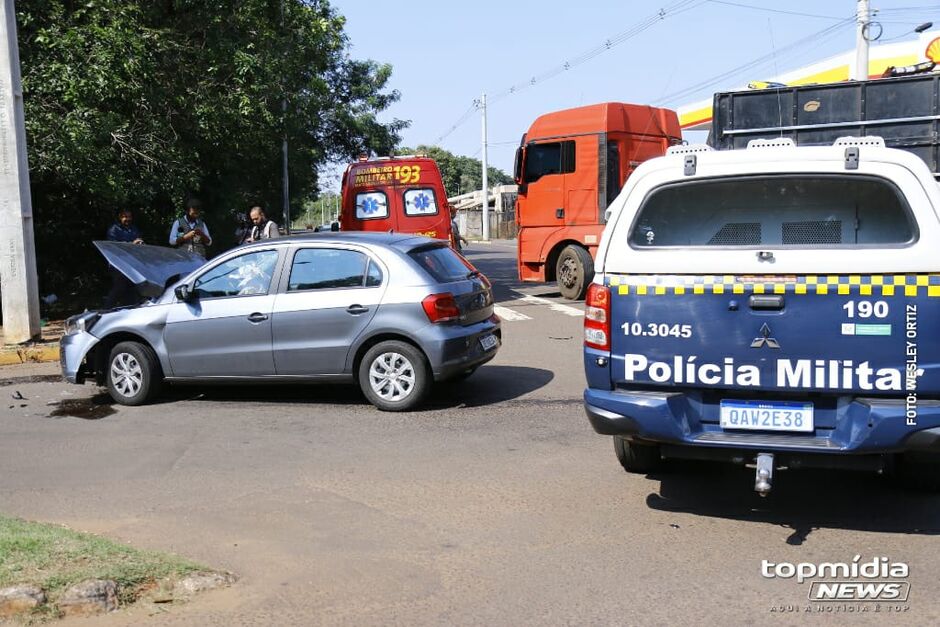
x=904, y=111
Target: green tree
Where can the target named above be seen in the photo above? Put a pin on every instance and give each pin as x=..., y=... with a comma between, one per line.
x=460, y=174
x=139, y=103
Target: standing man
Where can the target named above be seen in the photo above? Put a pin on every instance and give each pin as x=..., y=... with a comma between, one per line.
x=190, y=232
x=263, y=228
x=124, y=229
x=455, y=231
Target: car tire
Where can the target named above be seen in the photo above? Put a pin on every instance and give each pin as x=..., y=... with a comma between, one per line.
x=394, y=376
x=574, y=271
x=133, y=373
x=637, y=458
x=917, y=470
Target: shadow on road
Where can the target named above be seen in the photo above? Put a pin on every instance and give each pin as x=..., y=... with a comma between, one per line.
x=803, y=500
x=489, y=385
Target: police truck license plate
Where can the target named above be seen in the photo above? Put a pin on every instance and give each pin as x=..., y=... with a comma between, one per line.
x=488, y=342
x=766, y=415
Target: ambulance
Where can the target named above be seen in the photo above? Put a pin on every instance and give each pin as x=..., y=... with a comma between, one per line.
x=776, y=307
x=402, y=194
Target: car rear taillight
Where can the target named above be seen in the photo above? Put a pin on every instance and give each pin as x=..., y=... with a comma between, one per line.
x=597, y=317
x=441, y=307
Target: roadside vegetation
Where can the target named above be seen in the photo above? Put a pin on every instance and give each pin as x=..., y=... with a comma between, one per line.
x=54, y=558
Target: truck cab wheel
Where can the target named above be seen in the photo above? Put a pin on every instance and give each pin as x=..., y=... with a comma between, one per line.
x=637, y=458
x=574, y=272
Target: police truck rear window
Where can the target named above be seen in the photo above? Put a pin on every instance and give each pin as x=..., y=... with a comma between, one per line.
x=800, y=211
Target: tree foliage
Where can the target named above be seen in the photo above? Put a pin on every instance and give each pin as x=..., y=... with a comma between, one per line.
x=460, y=174
x=139, y=103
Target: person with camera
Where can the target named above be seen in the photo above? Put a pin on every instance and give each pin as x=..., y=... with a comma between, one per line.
x=262, y=227
x=190, y=232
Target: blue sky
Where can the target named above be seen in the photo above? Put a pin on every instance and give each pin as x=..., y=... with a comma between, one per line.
x=445, y=54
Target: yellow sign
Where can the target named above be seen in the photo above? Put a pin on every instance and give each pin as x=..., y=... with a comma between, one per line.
x=387, y=175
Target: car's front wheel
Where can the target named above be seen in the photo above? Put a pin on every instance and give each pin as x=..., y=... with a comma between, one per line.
x=134, y=375
x=394, y=376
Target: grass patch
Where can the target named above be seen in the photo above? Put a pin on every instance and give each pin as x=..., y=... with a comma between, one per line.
x=54, y=558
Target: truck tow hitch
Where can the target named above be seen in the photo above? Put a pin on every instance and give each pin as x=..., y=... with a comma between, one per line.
x=764, y=474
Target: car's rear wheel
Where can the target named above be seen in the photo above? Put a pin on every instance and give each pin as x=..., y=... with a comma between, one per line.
x=574, y=272
x=394, y=376
x=134, y=375
x=637, y=458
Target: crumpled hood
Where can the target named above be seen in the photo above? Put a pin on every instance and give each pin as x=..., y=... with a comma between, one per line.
x=149, y=267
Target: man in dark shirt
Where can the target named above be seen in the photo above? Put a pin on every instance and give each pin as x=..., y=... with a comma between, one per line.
x=123, y=230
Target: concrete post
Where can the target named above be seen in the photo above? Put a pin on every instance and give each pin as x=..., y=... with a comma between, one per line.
x=861, y=41
x=19, y=284
x=486, y=191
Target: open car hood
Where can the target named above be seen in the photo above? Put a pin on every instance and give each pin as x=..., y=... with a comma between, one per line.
x=149, y=267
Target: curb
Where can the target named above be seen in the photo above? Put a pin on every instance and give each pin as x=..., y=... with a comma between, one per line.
x=14, y=356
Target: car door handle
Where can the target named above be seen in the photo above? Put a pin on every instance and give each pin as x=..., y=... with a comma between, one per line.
x=356, y=309
x=257, y=317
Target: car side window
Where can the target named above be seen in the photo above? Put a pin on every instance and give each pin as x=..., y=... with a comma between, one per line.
x=371, y=205
x=328, y=268
x=420, y=202
x=374, y=276
x=244, y=275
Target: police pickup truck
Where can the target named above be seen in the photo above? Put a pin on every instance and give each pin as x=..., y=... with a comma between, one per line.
x=777, y=306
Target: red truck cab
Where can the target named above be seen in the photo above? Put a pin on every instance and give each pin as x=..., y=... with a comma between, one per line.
x=570, y=166
x=403, y=194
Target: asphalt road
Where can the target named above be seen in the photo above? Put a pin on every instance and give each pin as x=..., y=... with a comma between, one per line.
x=495, y=505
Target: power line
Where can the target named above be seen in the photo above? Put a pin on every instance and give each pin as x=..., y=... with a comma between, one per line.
x=799, y=45
x=769, y=10
x=672, y=10
x=453, y=127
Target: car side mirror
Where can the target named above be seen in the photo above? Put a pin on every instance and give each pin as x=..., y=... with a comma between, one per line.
x=184, y=293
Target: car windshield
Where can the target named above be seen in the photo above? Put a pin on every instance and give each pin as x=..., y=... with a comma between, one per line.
x=442, y=263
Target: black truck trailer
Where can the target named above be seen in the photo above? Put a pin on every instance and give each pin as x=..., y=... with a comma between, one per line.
x=905, y=111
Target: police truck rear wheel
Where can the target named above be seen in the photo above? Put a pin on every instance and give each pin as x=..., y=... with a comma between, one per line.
x=918, y=470
x=637, y=458
x=574, y=272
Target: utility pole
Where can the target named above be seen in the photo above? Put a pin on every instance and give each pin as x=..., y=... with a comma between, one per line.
x=486, y=195
x=18, y=276
x=285, y=184
x=861, y=40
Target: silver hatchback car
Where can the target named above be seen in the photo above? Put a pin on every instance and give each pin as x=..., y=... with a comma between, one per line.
x=394, y=313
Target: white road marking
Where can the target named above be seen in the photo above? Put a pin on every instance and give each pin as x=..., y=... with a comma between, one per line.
x=509, y=315
x=568, y=310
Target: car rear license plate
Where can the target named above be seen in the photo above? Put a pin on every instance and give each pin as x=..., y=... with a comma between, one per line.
x=489, y=342
x=766, y=415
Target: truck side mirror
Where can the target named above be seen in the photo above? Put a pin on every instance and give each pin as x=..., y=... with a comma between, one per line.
x=518, y=165
x=184, y=293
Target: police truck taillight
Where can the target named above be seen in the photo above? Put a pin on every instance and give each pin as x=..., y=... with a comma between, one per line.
x=441, y=307
x=597, y=317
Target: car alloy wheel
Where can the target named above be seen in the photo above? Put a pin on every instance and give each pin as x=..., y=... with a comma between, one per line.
x=392, y=376
x=126, y=374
